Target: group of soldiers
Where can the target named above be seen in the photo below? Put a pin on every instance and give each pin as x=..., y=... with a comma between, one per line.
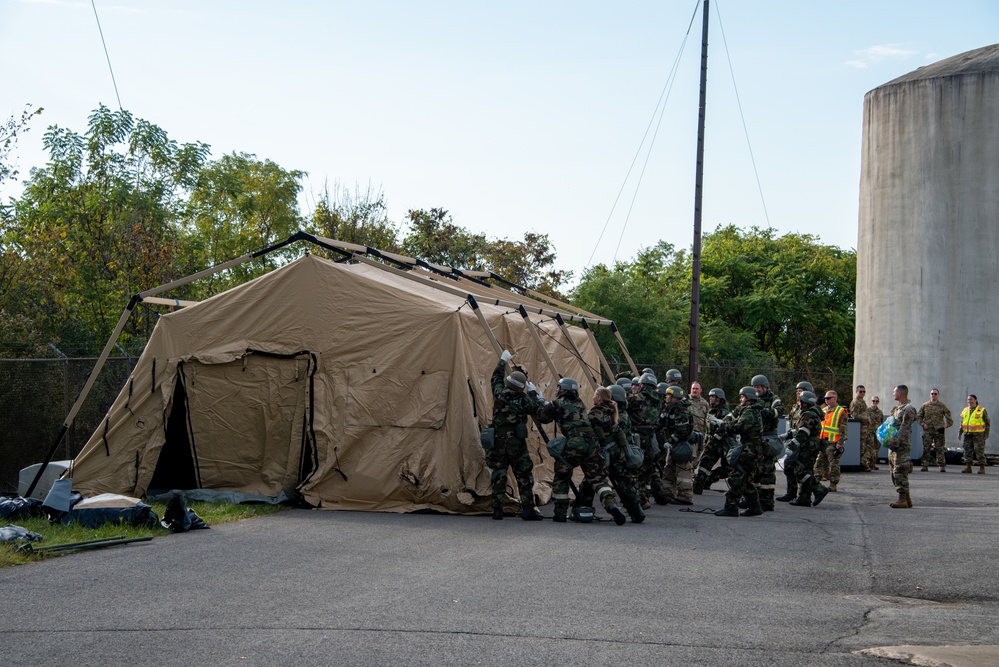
x=645, y=441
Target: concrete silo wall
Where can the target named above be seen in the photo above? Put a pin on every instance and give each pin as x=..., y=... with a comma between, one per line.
x=928, y=242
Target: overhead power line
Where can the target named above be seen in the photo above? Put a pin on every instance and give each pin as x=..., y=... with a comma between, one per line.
x=113, y=82
x=657, y=112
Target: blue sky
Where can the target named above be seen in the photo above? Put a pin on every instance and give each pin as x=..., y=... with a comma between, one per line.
x=515, y=116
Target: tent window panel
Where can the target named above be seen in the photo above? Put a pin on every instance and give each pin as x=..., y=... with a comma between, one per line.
x=397, y=397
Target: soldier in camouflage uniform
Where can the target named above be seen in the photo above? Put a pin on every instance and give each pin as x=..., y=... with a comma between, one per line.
x=676, y=425
x=643, y=408
x=900, y=447
x=935, y=418
x=511, y=409
x=790, y=472
x=714, y=449
x=699, y=408
x=606, y=418
x=746, y=457
x=771, y=410
x=868, y=439
x=581, y=449
x=803, y=445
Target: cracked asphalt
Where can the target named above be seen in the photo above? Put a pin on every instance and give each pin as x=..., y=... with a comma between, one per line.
x=834, y=585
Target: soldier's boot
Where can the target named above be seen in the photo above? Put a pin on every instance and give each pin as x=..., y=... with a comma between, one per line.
x=902, y=501
x=753, y=510
x=833, y=486
x=662, y=498
x=908, y=499
x=786, y=498
x=561, y=510
x=820, y=493
x=925, y=468
x=981, y=469
x=497, y=514
x=967, y=469
x=728, y=510
x=618, y=515
x=635, y=512
x=743, y=504
x=825, y=478
x=530, y=513
x=801, y=501
x=698, y=488
x=875, y=466
x=943, y=468
x=767, y=500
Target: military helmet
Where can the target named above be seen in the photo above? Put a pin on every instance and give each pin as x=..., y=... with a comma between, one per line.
x=568, y=384
x=760, y=380
x=807, y=386
x=749, y=392
x=673, y=375
x=516, y=380
x=649, y=379
x=675, y=391
x=808, y=398
x=624, y=382
x=648, y=370
x=662, y=387
x=717, y=391
x=618, y=393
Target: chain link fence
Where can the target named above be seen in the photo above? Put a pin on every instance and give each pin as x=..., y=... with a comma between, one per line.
x=37, y=394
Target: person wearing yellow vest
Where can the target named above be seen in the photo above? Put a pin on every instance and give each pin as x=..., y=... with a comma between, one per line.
x=974, y=431
x=831, y=441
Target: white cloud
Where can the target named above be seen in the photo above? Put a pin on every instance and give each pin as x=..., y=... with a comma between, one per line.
x=885, y=51
x=879, y=52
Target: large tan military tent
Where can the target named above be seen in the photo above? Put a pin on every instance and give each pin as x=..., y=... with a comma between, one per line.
x=350, y=386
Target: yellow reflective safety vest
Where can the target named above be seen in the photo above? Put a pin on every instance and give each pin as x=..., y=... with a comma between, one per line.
x=972, y=421
x=831, y=423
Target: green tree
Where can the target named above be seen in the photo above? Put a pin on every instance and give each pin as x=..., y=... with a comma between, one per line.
x=95, y=225
x=785, y=300
x=240, y=204
x=358, y=217
x=9, y=131
x=645, y=298
x=795, y=295
x=434, y=237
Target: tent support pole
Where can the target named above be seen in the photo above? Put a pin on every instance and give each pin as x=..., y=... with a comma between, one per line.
x=91, y=379
x=624, y=349
x=485, y=325
x=603, y=359
x=594, y=383
x=537, y=341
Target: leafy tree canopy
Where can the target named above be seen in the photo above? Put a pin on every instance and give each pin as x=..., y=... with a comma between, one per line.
x=434, y=237
x=785, y=299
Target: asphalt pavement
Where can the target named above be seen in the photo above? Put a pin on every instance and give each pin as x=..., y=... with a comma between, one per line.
x=851, y=582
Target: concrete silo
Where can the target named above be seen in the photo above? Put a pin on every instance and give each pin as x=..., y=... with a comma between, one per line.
x=929, y=235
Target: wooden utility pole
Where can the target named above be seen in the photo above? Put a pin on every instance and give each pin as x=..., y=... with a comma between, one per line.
x=695, y=280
